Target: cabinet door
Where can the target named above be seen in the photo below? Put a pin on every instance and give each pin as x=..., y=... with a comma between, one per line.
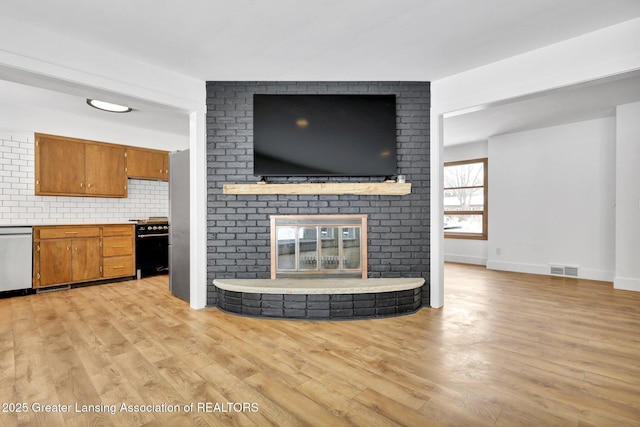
x=85, y=259
x=55, y=262
x=166, y=166
x=146, y=164
x=105, y=170
x=59, y=166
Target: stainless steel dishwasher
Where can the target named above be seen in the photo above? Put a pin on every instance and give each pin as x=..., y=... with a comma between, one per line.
x=16, y=246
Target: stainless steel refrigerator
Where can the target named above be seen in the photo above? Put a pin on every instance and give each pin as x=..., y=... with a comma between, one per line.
x=179, y=283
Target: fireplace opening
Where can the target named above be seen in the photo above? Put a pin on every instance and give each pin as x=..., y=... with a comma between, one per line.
x=318, y=246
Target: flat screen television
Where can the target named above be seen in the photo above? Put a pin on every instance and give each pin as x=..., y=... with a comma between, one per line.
x=324, y=135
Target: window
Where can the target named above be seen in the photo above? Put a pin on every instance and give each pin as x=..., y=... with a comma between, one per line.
x=465, y=199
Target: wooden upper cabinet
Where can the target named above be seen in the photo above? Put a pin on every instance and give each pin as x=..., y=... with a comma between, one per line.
x=105, y=167
x=76, y=167
x=145, y=163
x=59, y=165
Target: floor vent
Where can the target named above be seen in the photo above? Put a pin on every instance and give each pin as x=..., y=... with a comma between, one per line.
x=559, y=270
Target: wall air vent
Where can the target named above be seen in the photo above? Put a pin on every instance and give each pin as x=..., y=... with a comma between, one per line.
x=571, y=271
x=563, y=270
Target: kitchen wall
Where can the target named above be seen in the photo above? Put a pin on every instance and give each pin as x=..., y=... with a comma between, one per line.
x=20, y=206
x=238, y=226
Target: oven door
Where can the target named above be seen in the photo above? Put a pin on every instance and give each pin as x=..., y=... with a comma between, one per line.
x=152, y=254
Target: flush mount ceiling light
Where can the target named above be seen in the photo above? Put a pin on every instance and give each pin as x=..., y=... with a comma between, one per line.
x=107, y=106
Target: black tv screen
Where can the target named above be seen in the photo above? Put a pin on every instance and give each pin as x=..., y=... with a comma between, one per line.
x=324, y=135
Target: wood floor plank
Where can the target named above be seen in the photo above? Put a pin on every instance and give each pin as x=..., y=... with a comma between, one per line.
x=506, y=349
x=346, y=408
x=307, y=411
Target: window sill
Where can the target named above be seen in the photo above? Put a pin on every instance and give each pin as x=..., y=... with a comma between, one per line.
x=466, y=236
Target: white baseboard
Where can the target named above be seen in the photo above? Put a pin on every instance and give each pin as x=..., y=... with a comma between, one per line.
x=462, y=259
x=584, y=273
x=516, y=267
x=627, y=284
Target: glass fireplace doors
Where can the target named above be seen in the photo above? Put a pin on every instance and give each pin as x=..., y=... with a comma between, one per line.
x=318, y=246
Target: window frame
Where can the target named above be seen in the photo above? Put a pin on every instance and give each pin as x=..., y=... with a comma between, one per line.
x=485, y=217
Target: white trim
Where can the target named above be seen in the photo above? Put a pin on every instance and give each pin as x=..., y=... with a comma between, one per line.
x=464, y=259
x=436, y=222
x=198, y=208
x=543, y=269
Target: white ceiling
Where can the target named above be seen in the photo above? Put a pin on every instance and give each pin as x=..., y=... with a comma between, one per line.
x=576, y=103
x=421, y=40
x=322, y=39
x=144, y=115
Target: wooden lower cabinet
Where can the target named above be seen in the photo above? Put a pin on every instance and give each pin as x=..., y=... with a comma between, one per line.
x=75, y=254
x=55, y=267
x=118, y=251
x=85, y=259
x=118, y=266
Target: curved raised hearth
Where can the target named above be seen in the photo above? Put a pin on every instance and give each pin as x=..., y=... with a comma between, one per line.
x=320, y=298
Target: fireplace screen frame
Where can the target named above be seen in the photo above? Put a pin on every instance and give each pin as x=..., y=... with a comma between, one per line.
x=312, y=268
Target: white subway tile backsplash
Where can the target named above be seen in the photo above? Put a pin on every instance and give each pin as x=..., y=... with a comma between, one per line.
x=19, y=204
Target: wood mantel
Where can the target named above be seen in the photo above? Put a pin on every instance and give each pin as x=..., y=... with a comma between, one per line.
x=368, y=188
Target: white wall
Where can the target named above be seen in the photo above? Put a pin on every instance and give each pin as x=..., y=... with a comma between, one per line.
x=466, y=251
x=627, y=233
x=28, y=119
x=20, y=206
x=551, y=196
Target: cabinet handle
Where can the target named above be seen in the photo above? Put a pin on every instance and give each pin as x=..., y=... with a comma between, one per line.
x=70, y=232
x=88, y=185
x=80, y=185
x=118, y=246
x=116, y=267
x=68, y=248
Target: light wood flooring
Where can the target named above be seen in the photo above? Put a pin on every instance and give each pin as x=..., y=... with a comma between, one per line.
x=506, y=350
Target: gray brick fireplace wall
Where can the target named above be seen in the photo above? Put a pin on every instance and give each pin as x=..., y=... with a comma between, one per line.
x=238, y=241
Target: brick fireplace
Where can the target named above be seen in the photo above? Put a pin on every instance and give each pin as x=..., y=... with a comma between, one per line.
x=239, y=238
